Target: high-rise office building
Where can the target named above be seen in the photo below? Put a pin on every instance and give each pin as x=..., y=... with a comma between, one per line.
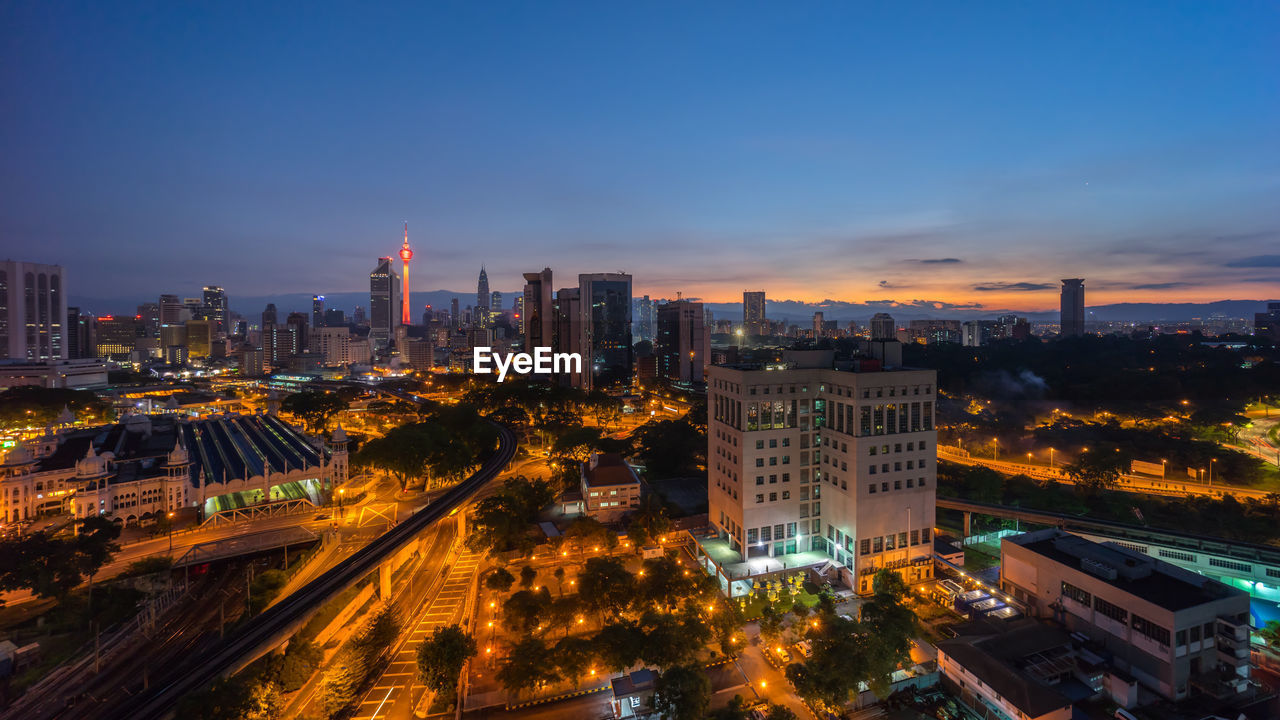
x=682, y=342
x=333, y=344
x=753, y=318
x=200, y=337
x=171, y=308
x=567, y=333
x=455, y=313
x=269, y=316
x=883, y=327
x=812, y=459
x=1267, y=324
x=149, y=313
x=317, y=311
x=214, y=309
x=335, y=317
x=480, y=316
x=606, y=329
x=1072, y=318
x=79, y=328
x=538, y=316
x=33, y=312
x=495, y=303
x=358, y=316
x=383, y=309
x=299, y=340
x=117, y=336
x=519, y=311
x=818, y=325
x=644, y=313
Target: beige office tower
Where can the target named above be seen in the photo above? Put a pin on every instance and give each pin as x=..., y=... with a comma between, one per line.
x=813, y=466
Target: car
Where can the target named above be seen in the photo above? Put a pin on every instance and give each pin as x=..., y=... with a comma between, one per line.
x=758, y=714
x=782, y=654
x=805, y=647
x=322, y=516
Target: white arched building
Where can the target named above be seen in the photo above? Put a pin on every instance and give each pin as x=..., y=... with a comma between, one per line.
x=146, y=466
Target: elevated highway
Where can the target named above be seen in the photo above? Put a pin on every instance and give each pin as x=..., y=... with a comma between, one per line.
x=279, y=622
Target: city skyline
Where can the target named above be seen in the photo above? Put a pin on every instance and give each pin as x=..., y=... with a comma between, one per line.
x=980, y=172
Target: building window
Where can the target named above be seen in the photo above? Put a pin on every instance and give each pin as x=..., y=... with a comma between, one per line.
x=1230, y=565
x=1106, y=609
x=759, y=480
x=864, y=547
x=1153, y=631
x=786, y=494
x=1075, y=593
x=759, y=498
x=773, y=497
x=871, y=488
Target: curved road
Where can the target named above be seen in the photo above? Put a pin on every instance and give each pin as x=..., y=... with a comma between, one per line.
x=280, y=621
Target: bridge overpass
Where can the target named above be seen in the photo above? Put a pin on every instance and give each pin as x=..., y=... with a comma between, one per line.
x=279, y=622
x=249, y=544
x=1245, y=565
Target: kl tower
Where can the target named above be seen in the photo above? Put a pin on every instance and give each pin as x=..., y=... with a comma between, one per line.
x=406, y=255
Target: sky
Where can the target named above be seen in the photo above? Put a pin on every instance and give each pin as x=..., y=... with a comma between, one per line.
x=957, y=153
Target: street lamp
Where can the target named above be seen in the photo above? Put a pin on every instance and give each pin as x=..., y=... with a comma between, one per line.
x=1051, y=458
x=341, y=511
x=1211, y=462
x=1164, y=468
x=170, y=533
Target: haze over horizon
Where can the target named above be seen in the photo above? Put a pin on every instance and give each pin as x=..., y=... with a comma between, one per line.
x=950, y=155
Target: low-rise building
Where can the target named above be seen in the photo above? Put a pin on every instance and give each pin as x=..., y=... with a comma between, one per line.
x=610, y=488
x=1169, y=628
x=1016, y=673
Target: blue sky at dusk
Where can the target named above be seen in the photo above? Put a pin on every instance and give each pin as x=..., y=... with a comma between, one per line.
x=940, y=151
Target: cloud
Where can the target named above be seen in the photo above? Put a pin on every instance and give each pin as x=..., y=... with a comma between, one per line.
x=937, y=261
x=1255, y=261
x=1161, y=286
x=1013, y=287
x=886, y=285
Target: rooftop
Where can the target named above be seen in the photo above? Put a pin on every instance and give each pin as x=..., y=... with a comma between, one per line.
x=608, y=469
x=1147, y=578
x=1018, y=663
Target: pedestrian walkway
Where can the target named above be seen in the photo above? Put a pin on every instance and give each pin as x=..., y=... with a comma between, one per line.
x=397, y=689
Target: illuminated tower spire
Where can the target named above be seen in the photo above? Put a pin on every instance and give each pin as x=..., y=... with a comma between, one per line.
x=406, y=255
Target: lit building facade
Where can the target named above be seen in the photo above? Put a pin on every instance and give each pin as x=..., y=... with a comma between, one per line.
x=806, y=458
x=33, y=312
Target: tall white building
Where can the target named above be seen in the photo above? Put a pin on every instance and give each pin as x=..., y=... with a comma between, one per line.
x=33, y=312
x=821, y=465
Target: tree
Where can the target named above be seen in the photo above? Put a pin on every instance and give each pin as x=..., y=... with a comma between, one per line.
x=529, y=665
x=441, y=657
x=735, y=710
x=770, y=624
x=1270, y=634
x=574, y=657
x=618, y=645
x=36, y=406
x=1095, y=471
x=587, y=531
x=502, y=521
x=264, y=702
x=95, y=544
x=314, y=408
x=526, y=609
x=671, y=447
x=779, y=712
x=682, y=692
x=527, y=576
x=559, y=575
x=342, y=679
x=499, y=581
x=605, y=586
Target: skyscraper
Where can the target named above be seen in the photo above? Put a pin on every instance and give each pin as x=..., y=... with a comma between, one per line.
x=405, y=256
x=606, y=329
x=1072, y=318
x=455, y=314
x=382, y=303
x=538, y=317
x=150, y=315
x=171, y=308
x=644, y=319
x=317, y=311
x=1267, y=324
x=567, y=332
x=883, y=327
x=482, y=298
x=495, y=303
x=33, y=312
x=753, y=319
x=681, y=343
x=214, y=309
x=269, y=315
x=79, y=330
